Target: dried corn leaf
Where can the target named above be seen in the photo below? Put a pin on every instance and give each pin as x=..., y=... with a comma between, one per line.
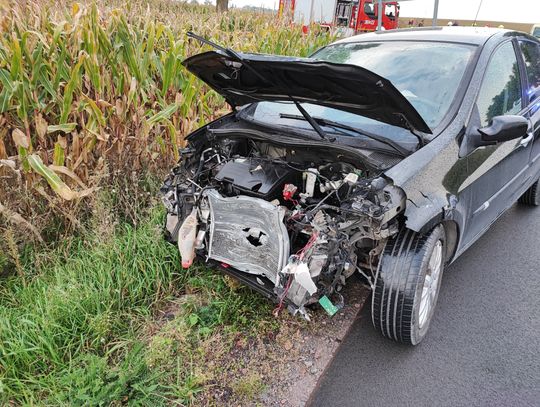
x=20, y=139
x=17, y=219
x=41, y=127
x=66, y=171
x=55, y=181
x=64, y=128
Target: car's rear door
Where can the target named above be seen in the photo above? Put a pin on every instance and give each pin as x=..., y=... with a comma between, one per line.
x=531, y=55
x=497, y=173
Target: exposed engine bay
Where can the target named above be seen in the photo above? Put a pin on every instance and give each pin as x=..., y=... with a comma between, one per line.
x=293, y=223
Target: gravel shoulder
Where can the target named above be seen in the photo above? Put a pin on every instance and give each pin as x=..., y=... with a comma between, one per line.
x=306, y=352
x=279, y=363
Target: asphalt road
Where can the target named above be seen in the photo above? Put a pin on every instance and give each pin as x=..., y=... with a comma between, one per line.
x=483, y=348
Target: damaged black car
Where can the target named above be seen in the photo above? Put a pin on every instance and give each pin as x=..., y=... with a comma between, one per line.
x=385, y=154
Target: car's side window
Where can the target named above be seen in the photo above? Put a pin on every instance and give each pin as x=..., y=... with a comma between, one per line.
x=531, y=55
x=500, y=93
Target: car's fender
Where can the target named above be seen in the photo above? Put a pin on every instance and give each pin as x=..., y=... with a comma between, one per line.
x=431, y=179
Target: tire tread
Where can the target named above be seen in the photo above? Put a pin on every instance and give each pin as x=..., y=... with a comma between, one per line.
x=393, y=295
x=531, y=197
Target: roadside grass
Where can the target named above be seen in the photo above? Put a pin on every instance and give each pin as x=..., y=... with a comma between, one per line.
x=114, y=320
x=249, y=387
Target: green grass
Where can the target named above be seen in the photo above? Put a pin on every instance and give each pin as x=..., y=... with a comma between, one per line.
x=249, y=387
x=85, y=329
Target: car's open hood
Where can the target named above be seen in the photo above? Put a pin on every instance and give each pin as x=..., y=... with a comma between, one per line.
x=254, y=77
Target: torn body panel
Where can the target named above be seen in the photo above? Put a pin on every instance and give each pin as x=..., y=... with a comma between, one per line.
x=248, y=234
x=431, y=179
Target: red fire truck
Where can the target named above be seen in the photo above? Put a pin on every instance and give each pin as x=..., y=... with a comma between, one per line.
x=349, y=16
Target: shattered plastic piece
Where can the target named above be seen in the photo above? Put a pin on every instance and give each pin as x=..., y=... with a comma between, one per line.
x=172, y=224
x=327, y=305
x=301, y=274
x=300, y=311
x=186, y=239
x=302, y=277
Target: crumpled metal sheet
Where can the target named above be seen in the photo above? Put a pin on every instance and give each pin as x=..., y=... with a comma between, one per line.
x=248, y=234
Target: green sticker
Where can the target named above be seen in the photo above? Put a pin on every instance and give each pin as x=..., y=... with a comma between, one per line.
x=330, y=308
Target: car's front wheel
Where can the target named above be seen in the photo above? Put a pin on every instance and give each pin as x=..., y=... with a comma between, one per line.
x=407, y=284
x=531, y=197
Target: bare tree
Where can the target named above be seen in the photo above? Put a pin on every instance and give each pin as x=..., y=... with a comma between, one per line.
x=222, y=5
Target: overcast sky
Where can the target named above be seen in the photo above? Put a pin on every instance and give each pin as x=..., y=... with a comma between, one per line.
x=524, y=11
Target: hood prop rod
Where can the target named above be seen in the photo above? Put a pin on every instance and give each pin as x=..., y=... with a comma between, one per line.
x=311, y=120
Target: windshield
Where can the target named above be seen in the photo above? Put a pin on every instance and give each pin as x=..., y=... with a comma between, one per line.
x=390, y=10
x=272, y=113
x=369, y=9
x=428, y=74
x=536, y=32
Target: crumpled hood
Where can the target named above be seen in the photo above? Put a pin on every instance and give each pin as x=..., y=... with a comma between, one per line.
x=255, y=77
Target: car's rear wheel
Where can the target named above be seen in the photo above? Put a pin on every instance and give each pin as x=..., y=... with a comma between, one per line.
x=532, y=196
x=407, y=285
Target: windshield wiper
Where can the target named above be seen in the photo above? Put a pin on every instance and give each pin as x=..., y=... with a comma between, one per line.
x=233, y=54
x=329, y=123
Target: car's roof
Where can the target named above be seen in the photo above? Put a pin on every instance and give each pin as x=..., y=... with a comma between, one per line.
x=468, y=35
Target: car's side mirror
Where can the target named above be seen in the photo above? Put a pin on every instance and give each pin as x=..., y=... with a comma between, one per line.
x=502, y=128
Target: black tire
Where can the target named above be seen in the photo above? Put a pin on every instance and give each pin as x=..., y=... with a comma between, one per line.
x=399, y=285
x=531, y=197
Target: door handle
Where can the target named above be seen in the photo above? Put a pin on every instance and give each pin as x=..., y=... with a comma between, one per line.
x=525, y=141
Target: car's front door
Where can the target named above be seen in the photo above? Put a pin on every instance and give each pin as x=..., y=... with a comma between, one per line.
x=531, y=55
x=496, y=173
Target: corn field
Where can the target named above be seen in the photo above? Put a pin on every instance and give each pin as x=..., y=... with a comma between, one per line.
x=93, y=91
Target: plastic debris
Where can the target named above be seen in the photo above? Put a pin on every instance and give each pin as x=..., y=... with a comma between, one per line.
x=327, y=305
